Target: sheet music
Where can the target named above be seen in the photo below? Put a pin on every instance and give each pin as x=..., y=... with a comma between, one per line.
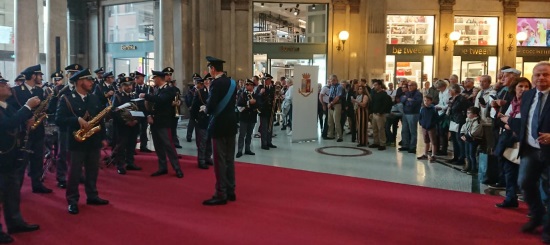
x=137, y=114
x=138, y=99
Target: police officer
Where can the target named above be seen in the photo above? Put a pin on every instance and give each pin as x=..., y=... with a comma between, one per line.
x=74, y=112
x=247, y=106
x=99, y=77
x=266, y=92
x=222, y=128
x=200, y=120
x=188, y=102
x=105, y=90
x=127, y=130
x=161, y=118
x=19, y=80
x=34, y=153
x=141, y=87
x=176, y=103
x=72, y=69
x=10, y=181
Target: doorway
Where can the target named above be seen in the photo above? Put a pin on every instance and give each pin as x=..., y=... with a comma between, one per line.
x=129, y=65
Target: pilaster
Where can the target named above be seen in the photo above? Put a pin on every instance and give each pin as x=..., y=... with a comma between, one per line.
x=26, y=34
x=445, y=46
x=509, y=25
x=56, y=29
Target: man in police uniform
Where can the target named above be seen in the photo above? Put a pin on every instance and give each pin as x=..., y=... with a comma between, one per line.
x=222, y=128
x=176, y=103
x=127, y=130
x=160, y=118
x=141, y=87
x=247, y=105
x=72, y=69
x=34, y=156
x=105, y=90
x=189, y=97
x=266, y=92
x=74, y=112
x=19, y=80
x=99, y=77
x=200, y=119
x=10, y=182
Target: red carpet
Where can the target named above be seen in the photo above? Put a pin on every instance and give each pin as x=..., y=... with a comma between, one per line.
x=274, y=206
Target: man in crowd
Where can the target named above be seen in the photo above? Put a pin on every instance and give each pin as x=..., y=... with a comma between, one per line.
x=469, y=92
x=412, y=101
x=176, y=102
x=267, y=112
x=141, y=87
x=247, y=105
x=199, y=117
x=189, y=102
x=324, y=99
x=380, y=106
x=334, y=109
x=442, y=127
x=483, y=102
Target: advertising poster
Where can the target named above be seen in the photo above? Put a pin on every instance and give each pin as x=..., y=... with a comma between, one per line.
x=537, y=29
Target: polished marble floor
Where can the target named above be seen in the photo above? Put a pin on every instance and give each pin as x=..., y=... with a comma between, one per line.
x=389, y=165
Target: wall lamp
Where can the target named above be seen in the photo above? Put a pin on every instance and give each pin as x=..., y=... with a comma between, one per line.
x=520, y=37
x=343, y=36
x=454, y=36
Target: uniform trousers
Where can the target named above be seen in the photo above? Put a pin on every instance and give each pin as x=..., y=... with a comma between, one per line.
x=89, y=159
x=164, y=147
x=63, y=152
x=265, y=131
x=174, y=132
x=35, y=163
x=245, y=135
x=190, y=128
x=11, y=196
x=224, y=165
x=126, y=145
x=204, y=145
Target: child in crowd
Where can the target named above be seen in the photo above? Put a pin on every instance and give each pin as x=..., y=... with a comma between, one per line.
x=428, y=121
x=471, y=133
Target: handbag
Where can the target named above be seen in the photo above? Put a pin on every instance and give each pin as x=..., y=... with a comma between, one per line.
x=512, y=153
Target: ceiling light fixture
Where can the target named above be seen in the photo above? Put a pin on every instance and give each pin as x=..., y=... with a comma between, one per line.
x=313, y=6
x=262, y=5
x=296, y=11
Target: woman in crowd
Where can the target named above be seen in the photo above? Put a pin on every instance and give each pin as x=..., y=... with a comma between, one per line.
x=471, y=133
x=361, y=103
x=507, y=139
x=457, y=113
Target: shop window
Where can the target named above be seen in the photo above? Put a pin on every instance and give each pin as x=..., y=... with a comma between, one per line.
x=537, y=30
x=130, y=22
x=403, y=29
x=476, y=30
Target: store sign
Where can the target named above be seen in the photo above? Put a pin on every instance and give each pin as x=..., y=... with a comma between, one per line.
x=475, y=50
x=409, y=50
x=128, y=47
x=533, y=52
x=289, y=49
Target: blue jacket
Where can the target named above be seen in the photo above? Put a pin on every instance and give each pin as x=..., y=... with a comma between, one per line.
x=412, y=107
x=428, y=117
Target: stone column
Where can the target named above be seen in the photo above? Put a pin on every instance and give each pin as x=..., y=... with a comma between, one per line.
x=56, y=28
x=26, y=34
x=445, y=47
x=509, y=22
x=376, y=43
x=243, y=42
x=166, y=34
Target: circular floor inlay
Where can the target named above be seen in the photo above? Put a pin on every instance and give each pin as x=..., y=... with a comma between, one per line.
x=343, y=151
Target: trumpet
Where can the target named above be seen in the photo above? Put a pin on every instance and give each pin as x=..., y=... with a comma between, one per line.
x=177, y=107
x=250, y=97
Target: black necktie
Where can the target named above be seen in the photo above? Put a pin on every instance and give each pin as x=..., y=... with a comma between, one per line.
x=535, y=119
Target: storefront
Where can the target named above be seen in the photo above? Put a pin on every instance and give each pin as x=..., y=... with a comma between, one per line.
x=476, y=52
x=289, y=34
x=536, y=46
x=409, y=51
x=129, y=37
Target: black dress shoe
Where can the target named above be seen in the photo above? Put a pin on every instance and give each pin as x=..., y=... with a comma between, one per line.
x=145, y=150
x=5, y=238
x=382, y=148
x=265, y=147
x=413, y=150
x=159, y=173
x=374, y=146
x=73, y=209
x=271, y=146
x=329, y=138
x=231, y=197
x=132, y=167
x=452, y=160
x=23, y=228
x=249, y=153
x=403, y=149
x=531, y=225
x=189, y=140
x=339, y=140
x=239, y=154
x=97, y=201
x=62, y=184
x=179, y=173
x=507, y=205
x=203, y=166
x=498, y=186
x=121, y=170
x=41, y=189
x=210, y=162
x=214, y=201
x=178, y=146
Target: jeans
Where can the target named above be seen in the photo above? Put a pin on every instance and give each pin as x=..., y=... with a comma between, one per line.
x=511, y=171
x=391, y=128
x=530, y=170
x=409, y=132
x=458, y=146
x=471, y=155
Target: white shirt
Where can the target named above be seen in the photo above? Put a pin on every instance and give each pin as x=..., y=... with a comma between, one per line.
x=3, y=104
x=288, y=93
x=530, y=140
x=83, y=96
x=484, y=111
x=325, y=92
x=392, y=93
x=443, y=101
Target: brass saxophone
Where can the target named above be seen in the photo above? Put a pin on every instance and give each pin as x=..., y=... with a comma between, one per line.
x=84, y=133
x=40, y=112
x=177, y=107
x=249, y=95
